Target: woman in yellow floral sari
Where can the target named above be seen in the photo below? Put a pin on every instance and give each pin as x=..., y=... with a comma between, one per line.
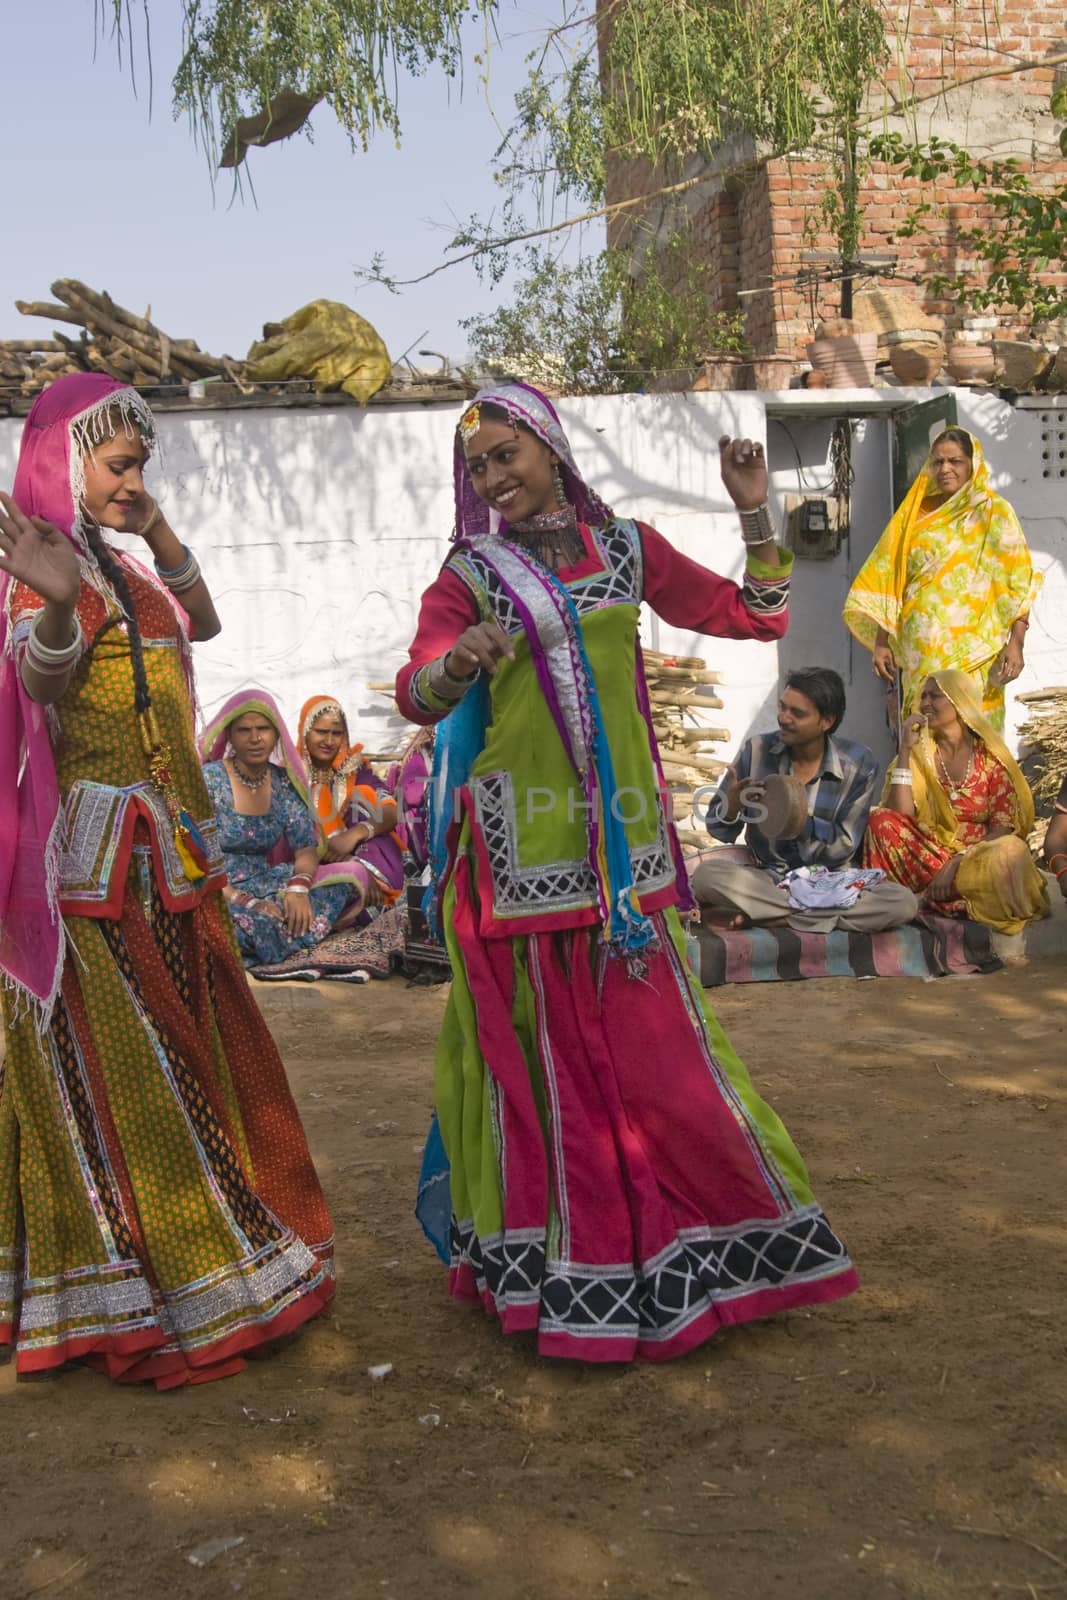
x=950, y=583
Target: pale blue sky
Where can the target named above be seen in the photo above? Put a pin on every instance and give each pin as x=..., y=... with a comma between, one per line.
x=94, y=189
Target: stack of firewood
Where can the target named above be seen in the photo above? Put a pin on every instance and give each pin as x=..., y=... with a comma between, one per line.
x=681, y=691
x=111, y=340
x=1043, y=738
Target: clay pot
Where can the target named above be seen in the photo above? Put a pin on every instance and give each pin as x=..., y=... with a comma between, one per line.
x=917, y=363
x=970, y=363
x=847, y=360
x=1019, y=362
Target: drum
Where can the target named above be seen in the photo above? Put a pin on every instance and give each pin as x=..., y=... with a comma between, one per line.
x=785, y=800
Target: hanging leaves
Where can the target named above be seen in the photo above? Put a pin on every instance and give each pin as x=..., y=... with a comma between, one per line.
x=238, y=55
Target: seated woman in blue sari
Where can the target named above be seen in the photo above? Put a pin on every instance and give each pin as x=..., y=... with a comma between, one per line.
x=270, y=844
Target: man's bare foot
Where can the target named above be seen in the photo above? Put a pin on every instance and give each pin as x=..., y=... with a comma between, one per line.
x=716, y=917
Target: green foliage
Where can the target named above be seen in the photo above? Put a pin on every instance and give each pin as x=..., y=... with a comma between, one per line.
x=593, y=328
x=1026, y=239
x=238, y=54
x=679, y=78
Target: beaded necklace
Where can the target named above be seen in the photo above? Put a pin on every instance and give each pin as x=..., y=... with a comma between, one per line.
x=953, y=785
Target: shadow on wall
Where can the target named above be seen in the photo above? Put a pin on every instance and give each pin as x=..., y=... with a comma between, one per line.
x=320, y=530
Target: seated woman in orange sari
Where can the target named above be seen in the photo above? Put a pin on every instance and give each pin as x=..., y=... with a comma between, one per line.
x=957, y=812
x=353, y=807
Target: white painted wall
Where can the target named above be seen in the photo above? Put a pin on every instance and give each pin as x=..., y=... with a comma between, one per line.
x=319, y=530
x=1011, y=440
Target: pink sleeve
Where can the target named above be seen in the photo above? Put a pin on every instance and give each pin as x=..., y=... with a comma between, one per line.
x=687, y=595
x=448, y=607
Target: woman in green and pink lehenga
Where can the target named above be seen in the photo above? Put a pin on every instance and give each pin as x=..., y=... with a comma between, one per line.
x=615, y=1184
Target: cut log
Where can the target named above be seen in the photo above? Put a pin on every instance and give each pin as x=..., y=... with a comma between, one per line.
x=691, y=736
x=684, y=698
x=710, y=764
x=45, y=308
x=685, y=773
x=683, y=674
x=29, y=346
x=675, y=661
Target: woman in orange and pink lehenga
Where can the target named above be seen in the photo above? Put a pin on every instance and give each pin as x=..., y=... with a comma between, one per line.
x=352, y=805
x=160, y=1218
x=957, y=812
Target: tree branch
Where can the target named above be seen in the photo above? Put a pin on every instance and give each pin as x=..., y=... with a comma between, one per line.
x=900, y=107
x=490, y=246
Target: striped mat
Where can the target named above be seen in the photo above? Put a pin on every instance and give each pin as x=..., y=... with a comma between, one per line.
x=931, y=946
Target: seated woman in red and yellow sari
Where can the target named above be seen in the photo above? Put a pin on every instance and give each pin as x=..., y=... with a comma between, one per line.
x=957, y=812
x=352, y=805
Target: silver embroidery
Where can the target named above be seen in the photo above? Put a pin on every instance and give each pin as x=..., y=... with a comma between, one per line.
x=195, y=1309
x=552, y=885
x=101, y=1301
x=94, y=817
x=554, y=636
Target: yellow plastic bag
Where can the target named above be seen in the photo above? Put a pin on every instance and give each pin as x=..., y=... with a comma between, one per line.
x=330, y=344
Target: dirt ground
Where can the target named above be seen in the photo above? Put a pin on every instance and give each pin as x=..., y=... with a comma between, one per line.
x=909, y=1441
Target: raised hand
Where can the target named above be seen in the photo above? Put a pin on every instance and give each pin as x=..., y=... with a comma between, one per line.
x=145, y=515
x=744, y=471
x=911, y=731
x=479, y=647
x=38, y=555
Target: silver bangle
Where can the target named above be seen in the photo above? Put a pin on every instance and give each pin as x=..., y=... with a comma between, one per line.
x=443, y=684
x=901, y=775
x=297, y=888
x=48, y=661
x=178, y=579
x=756, y=525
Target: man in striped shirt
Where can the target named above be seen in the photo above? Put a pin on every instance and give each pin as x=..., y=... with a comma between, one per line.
x=840, y=779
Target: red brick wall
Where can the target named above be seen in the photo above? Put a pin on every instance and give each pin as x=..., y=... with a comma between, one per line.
x=753, y=235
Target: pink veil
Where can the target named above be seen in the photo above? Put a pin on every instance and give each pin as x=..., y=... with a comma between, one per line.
x=64, y=421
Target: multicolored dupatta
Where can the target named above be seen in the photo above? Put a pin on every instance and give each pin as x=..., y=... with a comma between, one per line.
x=553, y=631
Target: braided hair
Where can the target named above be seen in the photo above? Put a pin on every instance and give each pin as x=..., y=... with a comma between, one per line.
x=116, y=576
x=108, y=422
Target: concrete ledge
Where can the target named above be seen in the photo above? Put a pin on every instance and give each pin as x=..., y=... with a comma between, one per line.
x=1045, y=938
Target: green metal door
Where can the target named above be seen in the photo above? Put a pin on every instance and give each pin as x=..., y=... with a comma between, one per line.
x=914, y=430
